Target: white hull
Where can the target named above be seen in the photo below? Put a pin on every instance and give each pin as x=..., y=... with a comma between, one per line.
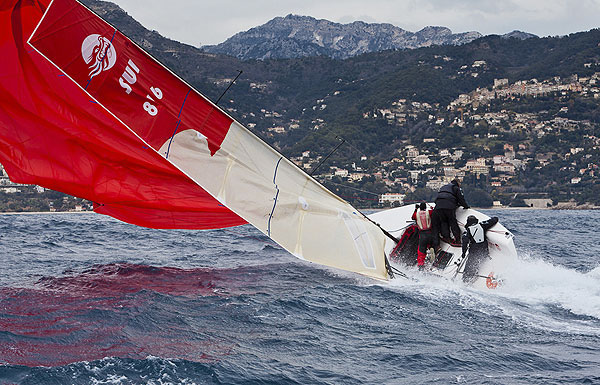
x=502, y=249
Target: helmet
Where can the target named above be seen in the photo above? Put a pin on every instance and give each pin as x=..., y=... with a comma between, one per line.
x=472, y=220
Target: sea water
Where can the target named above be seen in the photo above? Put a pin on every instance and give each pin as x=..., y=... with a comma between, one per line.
x=85, y=299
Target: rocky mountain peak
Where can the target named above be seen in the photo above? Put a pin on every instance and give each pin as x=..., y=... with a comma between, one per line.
x=297, y=36
x=518, y=35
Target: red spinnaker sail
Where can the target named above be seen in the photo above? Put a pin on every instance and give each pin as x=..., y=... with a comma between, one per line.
x=55, y=132
x=92, y=114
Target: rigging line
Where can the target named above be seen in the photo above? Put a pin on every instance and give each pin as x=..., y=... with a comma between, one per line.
x=388, y=267
x=275, y=199
x=327, y=157
x=230, y=84
x=360, y=235
x=399, y=272
x=171, y=140
x=359, y=151
x=352, y=188
x=348, y=197
x=463, y=262
x=403, y=228
x=385, y=232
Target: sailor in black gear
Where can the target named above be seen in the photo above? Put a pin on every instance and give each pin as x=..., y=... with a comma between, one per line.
x=474, y=241
x=448, y=199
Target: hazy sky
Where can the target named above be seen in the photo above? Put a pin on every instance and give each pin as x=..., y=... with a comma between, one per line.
x=200, y=22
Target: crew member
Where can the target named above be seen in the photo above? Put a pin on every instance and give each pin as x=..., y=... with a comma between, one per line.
x=448, y=199
x=422, y=216
x=474, y=241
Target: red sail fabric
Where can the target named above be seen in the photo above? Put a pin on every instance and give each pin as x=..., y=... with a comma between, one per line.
x=53, y=134
x=133, y=86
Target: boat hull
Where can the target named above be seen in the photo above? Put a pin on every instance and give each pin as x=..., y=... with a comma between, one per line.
x=500, y=241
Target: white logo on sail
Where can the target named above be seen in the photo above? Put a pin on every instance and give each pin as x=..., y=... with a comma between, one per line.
x=99, y=53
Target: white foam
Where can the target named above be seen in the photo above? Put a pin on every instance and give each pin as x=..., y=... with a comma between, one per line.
x=533, y=294
x=535, y=281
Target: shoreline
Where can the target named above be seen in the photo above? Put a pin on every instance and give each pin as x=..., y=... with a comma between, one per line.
x=577, y=208
x=44, y=212
x=513, y=208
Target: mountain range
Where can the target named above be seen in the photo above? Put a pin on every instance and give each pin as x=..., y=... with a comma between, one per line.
x=299, y=36
x=296, y=36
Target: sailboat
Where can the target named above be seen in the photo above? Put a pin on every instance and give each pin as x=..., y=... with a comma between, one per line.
x=448, y=261
x=86, y=111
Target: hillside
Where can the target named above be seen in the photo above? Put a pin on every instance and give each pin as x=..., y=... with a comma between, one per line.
x=449, y=105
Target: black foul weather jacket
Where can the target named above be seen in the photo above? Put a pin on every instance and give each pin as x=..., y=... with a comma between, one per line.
x=450, y=196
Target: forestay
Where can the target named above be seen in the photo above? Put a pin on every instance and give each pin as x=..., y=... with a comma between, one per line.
x=209, y=147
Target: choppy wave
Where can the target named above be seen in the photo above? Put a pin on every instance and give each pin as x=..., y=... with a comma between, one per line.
x=116, y=310
x=88, y=300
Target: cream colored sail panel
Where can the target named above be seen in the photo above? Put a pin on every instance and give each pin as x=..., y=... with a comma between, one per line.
x=280, y=200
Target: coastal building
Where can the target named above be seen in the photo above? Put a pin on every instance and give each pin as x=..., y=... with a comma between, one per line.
x=341, y=173
x=505, y=167
x=412, y=152
x=392, y=197
x=422, y=160
x=414, y=175
x=356, y=176
x=435, y=184
x=500, y=82
x=499, y=159
x=538, y=203
x=477, y=166
x=277, y=130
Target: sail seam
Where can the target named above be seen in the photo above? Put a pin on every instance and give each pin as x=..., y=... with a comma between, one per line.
x=275, y=199
x=177, y=126
x=360, y=235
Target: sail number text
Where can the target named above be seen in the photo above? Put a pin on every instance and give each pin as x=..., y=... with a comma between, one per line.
x=129, y=78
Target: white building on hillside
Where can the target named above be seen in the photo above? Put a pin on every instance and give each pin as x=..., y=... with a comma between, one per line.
x=392, y=197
